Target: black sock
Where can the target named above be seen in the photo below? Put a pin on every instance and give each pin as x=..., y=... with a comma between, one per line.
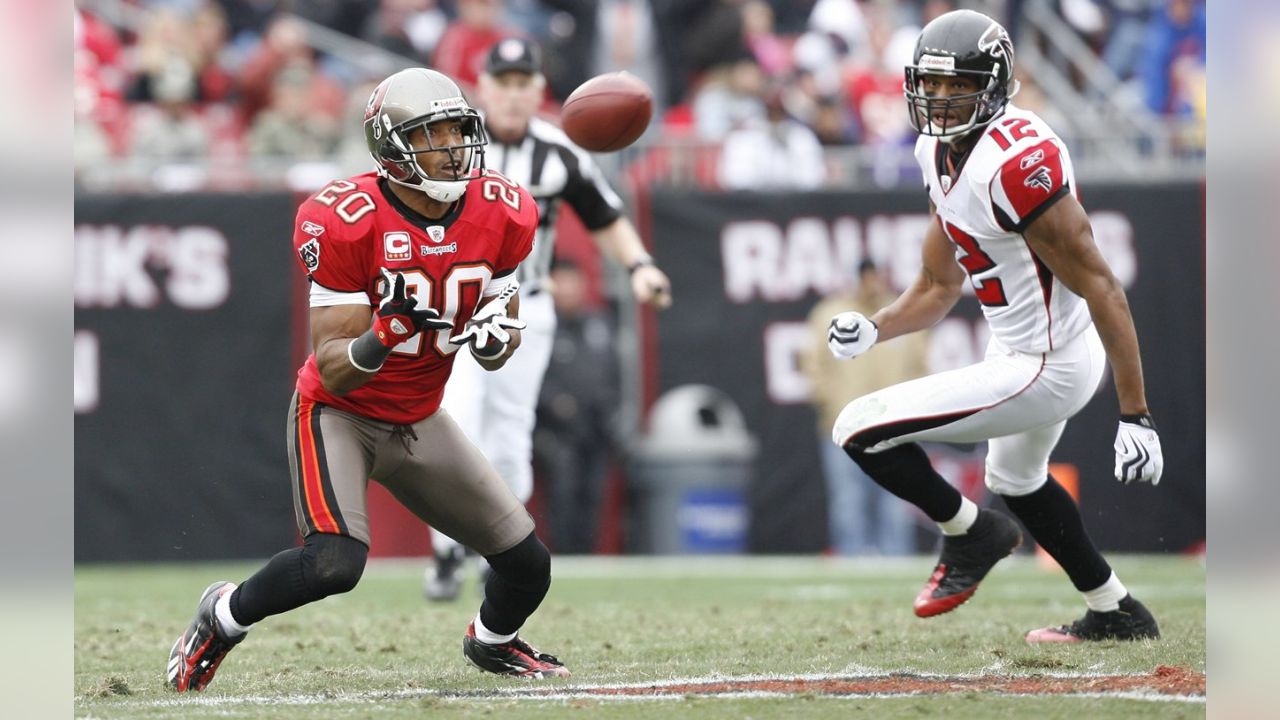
x=520, y=579
x=906, y=472
x=1053, y=519
x=325, y=565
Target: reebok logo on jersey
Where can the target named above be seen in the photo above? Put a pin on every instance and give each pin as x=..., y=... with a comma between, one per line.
x=1040, y=179
x=312, y=229
x=441, y=250
x=309, y=251
x=397, y=246
x=1032, y=159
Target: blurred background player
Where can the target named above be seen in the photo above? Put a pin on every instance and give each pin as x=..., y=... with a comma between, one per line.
x=862, y=520
x=367, y=404
x=1003, y=195
x=498, y=410
x=577, y=413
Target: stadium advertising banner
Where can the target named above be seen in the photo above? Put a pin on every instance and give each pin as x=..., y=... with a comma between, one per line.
x=747, y=268
x=183, y=373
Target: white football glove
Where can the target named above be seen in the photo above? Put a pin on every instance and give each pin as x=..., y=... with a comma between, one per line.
x=850, y=334
x=490, y=323
x=1138, y=454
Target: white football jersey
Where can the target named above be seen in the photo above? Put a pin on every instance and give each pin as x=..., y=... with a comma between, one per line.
x=1017, y=170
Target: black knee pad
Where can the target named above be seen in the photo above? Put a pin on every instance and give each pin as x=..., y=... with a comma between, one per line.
x=332, y=564
x=528, y=564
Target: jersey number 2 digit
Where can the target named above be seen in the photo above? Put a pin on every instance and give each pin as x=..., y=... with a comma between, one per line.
x=990, y=291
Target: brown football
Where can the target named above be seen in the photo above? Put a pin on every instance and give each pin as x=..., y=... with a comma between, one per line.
x=607, y=112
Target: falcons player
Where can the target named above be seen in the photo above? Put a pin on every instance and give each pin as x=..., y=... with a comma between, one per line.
x=407, y=265
x=1006, y=214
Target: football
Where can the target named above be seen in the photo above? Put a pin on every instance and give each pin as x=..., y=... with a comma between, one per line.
x=607, y=112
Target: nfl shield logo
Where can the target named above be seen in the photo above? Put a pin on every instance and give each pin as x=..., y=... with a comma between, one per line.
x=436, y=233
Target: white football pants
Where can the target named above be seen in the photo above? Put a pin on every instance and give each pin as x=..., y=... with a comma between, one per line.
x=497, y=409
x=1020, y=402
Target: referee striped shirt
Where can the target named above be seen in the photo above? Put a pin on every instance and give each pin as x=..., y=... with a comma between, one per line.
x=553, y=169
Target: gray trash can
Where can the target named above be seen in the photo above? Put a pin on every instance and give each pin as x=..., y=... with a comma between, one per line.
x=689, y=476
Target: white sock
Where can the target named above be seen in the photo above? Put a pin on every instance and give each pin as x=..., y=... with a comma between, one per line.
x=963, y=520
x=488, y=637
x=1107, y=596
x=222, y=609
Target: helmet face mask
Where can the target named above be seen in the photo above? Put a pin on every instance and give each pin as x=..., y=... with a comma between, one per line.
x=967, y=44
x=408, y=104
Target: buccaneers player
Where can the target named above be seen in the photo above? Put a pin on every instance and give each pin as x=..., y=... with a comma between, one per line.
x=408, y=265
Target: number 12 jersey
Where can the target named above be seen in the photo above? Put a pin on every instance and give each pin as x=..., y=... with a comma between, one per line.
x=1017, y=169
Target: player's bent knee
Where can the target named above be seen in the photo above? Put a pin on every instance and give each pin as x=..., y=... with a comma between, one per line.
x=1003, y=481
x=332, y=564
x=852, y=420
x=528, y=564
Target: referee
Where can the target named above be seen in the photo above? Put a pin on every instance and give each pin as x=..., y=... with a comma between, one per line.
x=497, y=409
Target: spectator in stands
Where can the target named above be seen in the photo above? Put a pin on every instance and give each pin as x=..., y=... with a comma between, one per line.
x=770, y=52
x=290, y=127
x=730, y=96
x=1174, y=57
x=774, y=153
x=861, y=518
x=285, y=45
x=576, y=406
x=171, y=130
x=208, y=39
x=410, y=28
x=465, y=44
x=171, y=36
x=1128, y=20
x=873, y=86
x=832, y=123
x=98, y=89
x=627, y=39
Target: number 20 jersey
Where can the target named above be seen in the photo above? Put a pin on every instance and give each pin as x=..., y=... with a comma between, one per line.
x=1015, y=172
x=346, y=233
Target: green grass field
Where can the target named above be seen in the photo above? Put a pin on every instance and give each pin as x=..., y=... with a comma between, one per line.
x=383, y=652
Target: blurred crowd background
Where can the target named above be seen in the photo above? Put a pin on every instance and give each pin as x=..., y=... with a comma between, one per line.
x=259, y=102
x=230, y=94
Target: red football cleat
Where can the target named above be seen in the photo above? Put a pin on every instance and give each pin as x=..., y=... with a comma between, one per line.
x=966, y=560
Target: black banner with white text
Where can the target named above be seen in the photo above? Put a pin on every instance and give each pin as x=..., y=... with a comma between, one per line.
x=184, y=366
x=747, y=268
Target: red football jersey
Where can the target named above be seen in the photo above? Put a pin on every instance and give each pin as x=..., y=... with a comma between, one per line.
x=352, y=228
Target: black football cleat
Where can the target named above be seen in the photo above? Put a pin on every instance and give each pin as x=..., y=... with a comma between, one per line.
x=1132, y=621
x=966, y=560
x=199, y=651
x=515, y=657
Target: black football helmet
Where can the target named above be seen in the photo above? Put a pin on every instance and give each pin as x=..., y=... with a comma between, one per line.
x=960, y=43
x=414, y=98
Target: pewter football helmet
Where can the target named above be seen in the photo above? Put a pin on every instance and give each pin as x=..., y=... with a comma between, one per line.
x=416, y=98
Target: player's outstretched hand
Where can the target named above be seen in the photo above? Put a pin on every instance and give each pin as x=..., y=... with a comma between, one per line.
x=399, y=316
x=1138, y=454
x=850, y=334
x=487, y=330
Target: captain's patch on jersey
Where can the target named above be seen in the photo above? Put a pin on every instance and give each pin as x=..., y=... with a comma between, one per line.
x=309, y=251
x=397, y=246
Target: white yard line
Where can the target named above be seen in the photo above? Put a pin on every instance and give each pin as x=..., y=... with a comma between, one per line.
x=599, y=691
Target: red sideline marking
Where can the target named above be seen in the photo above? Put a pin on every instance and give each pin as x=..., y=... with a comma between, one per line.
x=1164, y=680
